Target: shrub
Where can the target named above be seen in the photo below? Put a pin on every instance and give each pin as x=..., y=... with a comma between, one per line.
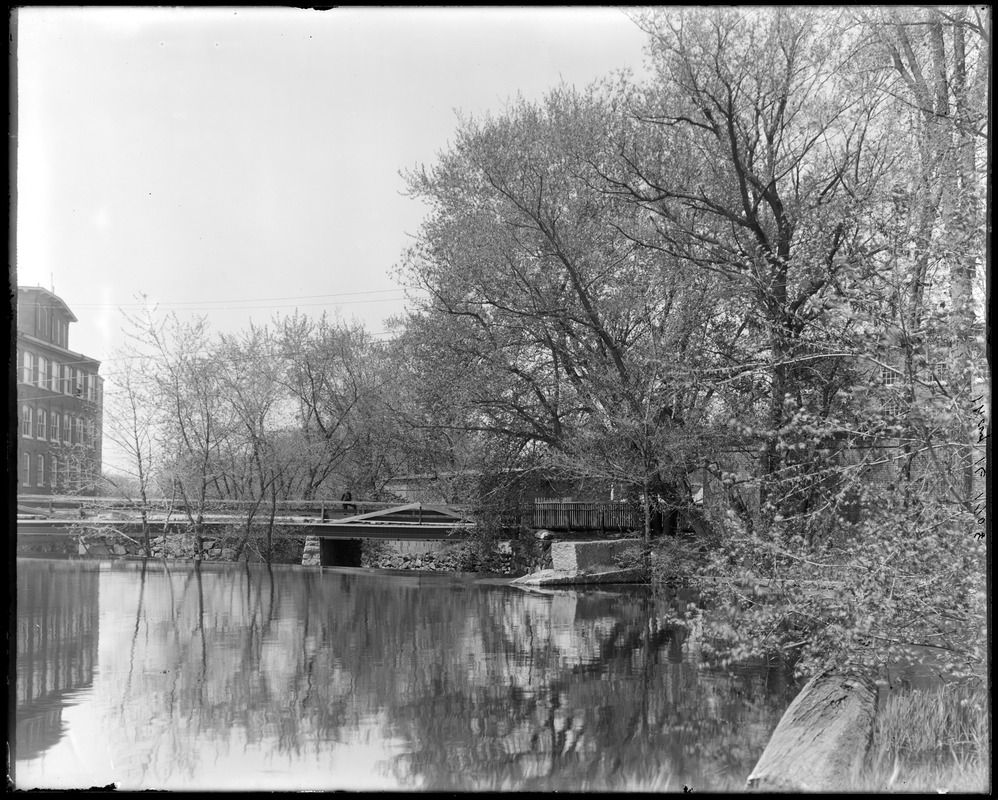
x=907, y=583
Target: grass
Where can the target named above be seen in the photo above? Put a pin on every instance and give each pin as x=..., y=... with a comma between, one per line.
x=930, y=741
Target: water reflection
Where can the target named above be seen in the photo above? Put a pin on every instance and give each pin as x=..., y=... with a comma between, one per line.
x=249, y=677
x=56, y=647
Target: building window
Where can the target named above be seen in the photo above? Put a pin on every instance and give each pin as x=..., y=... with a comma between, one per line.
x=40, y=463
x=78, y=383
x=26, y=421
x=26, y=374
x=67, y=422
x=890, y=376
x=26, y=476
x=52, y=376
x=54, y=427
x=64, y=382
x=893, y=381
x=54, y=472
x=42, y=367
x=40, y=431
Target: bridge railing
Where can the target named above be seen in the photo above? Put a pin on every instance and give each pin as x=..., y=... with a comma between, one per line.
x=56, y=504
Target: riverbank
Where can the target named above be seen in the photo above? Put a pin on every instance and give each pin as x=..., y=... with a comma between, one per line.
x=844, y=733
x=931, y=741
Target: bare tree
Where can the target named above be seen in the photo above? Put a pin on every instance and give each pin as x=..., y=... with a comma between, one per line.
x=130, y=426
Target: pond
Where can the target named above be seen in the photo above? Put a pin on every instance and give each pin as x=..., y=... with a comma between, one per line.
x=174, y=675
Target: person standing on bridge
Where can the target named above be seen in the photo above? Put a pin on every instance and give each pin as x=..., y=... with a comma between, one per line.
x=346, y=498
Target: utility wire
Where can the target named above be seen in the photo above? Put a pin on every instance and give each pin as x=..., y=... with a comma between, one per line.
x=216, y=303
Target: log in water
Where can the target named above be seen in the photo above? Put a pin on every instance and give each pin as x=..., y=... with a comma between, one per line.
x=822, y=739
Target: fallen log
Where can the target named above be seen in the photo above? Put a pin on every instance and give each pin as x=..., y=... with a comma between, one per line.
x=821, y=741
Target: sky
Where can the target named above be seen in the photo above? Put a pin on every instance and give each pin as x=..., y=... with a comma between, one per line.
x=244, y=162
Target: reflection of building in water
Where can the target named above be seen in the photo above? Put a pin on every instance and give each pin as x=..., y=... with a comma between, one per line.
x=57, y=615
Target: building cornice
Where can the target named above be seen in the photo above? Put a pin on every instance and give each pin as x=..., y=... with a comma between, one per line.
x=65, y=351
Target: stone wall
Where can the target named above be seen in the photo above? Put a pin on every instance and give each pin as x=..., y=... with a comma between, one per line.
x=438, y=556
x=174, y=546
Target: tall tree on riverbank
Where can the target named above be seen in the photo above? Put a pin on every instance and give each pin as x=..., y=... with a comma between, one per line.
x=129, y=426
x=552, y=320
x=835, y=188
x=781, y=158
x=194, y=420
x=940, y=61
x=254, y=462
x=334, y=374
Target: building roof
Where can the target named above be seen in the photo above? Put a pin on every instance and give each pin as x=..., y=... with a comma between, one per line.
x=53, y=299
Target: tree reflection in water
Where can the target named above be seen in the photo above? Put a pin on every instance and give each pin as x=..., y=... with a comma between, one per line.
x=309, y=677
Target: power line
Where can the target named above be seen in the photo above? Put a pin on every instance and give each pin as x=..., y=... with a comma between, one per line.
x=263, y=308
x=215, y=304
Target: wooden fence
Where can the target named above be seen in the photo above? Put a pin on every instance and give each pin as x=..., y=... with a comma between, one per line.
x=599, y=516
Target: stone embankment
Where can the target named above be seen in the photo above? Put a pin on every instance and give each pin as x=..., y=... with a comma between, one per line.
x=433, y=562
x=440, y=557
x=399, y=555
x=180, y=547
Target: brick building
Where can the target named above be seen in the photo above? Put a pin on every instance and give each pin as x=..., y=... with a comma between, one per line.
x=60, y=399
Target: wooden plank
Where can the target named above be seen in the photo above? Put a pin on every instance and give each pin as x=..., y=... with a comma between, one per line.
x=585, y=516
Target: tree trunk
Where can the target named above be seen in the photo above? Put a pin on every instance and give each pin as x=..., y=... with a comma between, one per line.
x=821, y=741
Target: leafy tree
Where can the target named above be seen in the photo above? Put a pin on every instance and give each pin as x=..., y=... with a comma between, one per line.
x=549, y=321
x=332, y=390
x=940, y=60
x=779, y=163
x=830, y=206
